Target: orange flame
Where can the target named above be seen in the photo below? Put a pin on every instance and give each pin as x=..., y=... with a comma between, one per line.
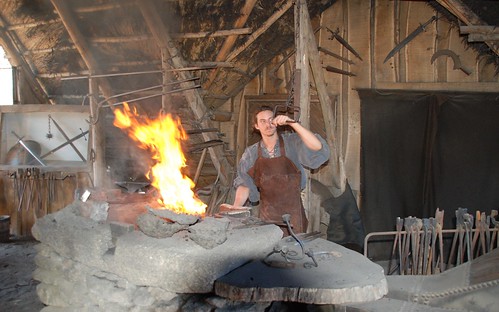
x=163, y=138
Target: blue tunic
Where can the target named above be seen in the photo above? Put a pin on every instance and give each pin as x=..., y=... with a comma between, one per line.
x=296, y=151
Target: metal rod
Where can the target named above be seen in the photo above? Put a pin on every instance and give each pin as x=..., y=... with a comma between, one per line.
x=389, y=233
x=28, y=149
x=147, y=89
x=200, y=166
x=140, y=72
x=151, y=96
x=67, y=138
x=65, y=143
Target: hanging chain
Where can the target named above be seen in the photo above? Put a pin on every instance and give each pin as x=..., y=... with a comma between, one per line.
x=49, y=134
x=290, y=100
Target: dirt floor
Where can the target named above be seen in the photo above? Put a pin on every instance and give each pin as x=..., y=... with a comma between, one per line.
x=17, y=287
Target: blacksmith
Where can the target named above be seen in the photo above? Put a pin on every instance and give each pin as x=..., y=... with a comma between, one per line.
x=271, y=171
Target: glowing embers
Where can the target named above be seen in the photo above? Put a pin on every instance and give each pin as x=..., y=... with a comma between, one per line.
x=163, y=137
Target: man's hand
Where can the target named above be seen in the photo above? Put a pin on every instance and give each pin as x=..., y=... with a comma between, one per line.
x=281, y=120
x=234, y=211
x=228, y=207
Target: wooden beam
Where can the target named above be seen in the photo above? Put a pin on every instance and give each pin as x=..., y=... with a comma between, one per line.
x=96, y=129
x=483, y=37
x=230, y=41
x=81, y=45
x=466, y=15
x=302, y=77
x=50, y=50
x=84, y=74
x=301, y=87
x=194, y=100
x=122, y=4
x=211, y=64
x=205, y=34
x=41, y=108
x=265, y=26
x=121, y=39
x=320, y=84
x=32, y=24
x=478, y=29
x=461, y=11
x=209, y=34
x=440, y=86
x=326, y=103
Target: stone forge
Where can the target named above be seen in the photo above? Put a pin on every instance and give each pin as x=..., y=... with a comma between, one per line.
x=86, y=262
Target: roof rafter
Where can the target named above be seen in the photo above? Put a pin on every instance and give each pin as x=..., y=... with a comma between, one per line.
x=231, y=40
x=265, y=26
x=195, y=102
x=81, y=44
x=467, y=16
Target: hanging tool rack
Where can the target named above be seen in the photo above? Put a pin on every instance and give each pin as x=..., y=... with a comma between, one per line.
x=36, y=194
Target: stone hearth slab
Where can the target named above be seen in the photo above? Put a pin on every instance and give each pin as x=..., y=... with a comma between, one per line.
x=180, y=265
x=176, y=264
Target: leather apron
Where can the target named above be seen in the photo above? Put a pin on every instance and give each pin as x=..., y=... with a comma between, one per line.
x=279, y=183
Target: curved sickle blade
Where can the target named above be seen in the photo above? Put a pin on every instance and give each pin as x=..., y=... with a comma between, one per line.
x=455, y=59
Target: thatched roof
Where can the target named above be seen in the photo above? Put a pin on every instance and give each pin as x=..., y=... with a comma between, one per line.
x=55, y=40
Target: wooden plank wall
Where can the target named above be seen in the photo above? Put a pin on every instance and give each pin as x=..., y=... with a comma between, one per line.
x=410, y=69
x=30, y=193
x=373, y=28
x=25, y=198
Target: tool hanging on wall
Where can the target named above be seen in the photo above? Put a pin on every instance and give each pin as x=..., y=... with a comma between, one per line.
x=69, y=141
x=338, y=71
x=67, y=138
x=343, y=42
x=49, y=134
x=409, y=38
x=36, y=190
x=455, y=58
x=339, y=57
x=84, y=136
x=32, y=153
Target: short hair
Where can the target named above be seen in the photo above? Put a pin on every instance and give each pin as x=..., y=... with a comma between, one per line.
x=259, y=110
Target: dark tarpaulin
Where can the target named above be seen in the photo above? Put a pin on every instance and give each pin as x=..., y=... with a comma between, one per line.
x=345, y=224
x=423, y=151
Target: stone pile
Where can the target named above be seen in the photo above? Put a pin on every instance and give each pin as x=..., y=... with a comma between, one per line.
x=87, y=263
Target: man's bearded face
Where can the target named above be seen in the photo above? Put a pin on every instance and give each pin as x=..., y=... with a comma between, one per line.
x=264, y=123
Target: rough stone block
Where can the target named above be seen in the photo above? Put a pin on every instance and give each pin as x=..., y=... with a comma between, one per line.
x=179, y=265
x=73, y=236
x=120, y=228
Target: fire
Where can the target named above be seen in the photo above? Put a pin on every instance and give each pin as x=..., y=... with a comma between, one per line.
x=163, y=137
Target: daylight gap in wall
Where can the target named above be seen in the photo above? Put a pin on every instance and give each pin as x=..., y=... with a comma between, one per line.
x=6, y=87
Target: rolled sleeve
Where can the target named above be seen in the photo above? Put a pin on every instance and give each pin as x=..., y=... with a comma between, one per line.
x=243, y=178
x=317, y=158
x=307, y=157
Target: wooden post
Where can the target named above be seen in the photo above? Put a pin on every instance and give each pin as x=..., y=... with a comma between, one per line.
x=242, y=129
x=302, y=83
x=97, y=153
x=200, y=166
x=336, y=158
x=165, y=98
